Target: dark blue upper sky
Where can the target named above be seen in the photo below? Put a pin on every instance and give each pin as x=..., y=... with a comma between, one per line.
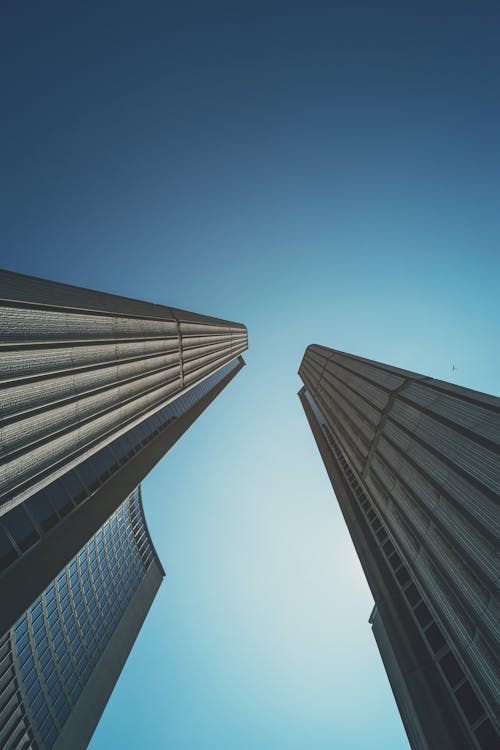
x=323, y=172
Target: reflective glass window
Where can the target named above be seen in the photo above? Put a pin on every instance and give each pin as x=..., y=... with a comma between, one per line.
x=42, y=712
x=74, y=487
x=64, y=660
x=59, y=498
x=22, y=642
x=27, y=666
x=25, y=653
x=41, y=639
x=42, y=510
x=35, y=696
x=87, y=473
x=52, y=681
x=30, y=679
x=17, y=522
x=45, y=658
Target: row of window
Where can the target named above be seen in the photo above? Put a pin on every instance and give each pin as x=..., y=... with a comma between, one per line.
x=63, y=634
x=15, y=731
x=483, y=730
x=26, y=524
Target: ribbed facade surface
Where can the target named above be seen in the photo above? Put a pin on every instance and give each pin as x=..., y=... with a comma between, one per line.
x=415, y=464
x=94, y=390
x=32, y=522
x=79, y=368
x=50, y=656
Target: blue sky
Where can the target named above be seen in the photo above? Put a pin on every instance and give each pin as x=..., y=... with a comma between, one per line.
x=323, y=172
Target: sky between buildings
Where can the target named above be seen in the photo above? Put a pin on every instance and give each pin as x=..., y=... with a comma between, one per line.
x=323, y=172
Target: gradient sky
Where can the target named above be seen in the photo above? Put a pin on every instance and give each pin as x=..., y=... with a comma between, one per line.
x=323, y=172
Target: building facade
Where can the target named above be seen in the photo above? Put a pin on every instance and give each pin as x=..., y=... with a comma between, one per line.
x=95, y=389
x=415, y=466
x=61, y=659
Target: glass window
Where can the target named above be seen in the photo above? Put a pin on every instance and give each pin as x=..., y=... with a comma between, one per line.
x=42, y=712
x=75, y=693
x=25, y=653
x=27, y=666
x=64, y=660
x=51, y=738
x=22, y=641
x=56, y=628
x=69, y=620
x=82, y=663
x=72, y=680
x=45, y=658
x=22, y=624
x=46, y=726
x=86, y=672
x=74, y=487
x=63, y=589
x=35, y=695
x=87, y=473
x=42, y=510
x=17, y=522
x=7, y=552
x=30, y=679
x=41, y=639
x=37, y=623
x=48, y=670
x=59, y=498
x=59, y=703
x=51, y=683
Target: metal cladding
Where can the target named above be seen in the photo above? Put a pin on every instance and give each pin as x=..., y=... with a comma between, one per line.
x=426, y=454
x=78, y=368
x=95, y=389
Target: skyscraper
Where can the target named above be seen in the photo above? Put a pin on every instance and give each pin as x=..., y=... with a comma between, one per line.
x=60, y=661
x=95, y=389
x=414, y=463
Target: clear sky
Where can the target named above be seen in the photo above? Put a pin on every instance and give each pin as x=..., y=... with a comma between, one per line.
x=323, y=172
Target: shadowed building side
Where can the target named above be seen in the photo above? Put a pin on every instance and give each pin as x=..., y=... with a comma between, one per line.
x=415, y=466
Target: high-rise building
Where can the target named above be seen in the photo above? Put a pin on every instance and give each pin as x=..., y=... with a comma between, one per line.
x=61, y=659
x=95, y=389
x=415, y=466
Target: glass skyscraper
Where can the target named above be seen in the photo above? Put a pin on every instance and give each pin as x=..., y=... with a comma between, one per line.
x=95, y=389
x=415, y=466
x=61, y=659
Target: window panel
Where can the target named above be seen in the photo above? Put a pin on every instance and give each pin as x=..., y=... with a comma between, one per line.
x=17, y=522
x=42, y=511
